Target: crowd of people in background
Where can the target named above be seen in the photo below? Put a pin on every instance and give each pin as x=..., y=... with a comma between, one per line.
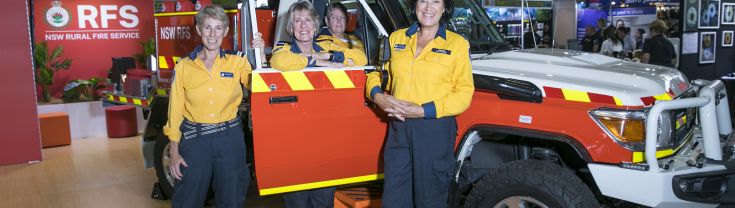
x=615, y=40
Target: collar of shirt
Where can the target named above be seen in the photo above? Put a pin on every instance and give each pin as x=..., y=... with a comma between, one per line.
x=295, y=48
x=325, y=31
x=193, y=54
x=442, y=32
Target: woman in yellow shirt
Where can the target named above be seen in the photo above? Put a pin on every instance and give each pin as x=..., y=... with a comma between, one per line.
x=207, y=139
x=303, y=51
x=430, y=82
x=336, y=21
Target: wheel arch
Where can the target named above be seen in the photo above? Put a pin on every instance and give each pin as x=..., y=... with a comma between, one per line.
x=535, y=135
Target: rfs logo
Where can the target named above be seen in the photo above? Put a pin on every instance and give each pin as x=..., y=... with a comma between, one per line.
x=57, y=16
x=198, y=6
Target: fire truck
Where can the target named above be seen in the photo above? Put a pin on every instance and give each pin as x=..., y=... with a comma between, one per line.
x=546, y=127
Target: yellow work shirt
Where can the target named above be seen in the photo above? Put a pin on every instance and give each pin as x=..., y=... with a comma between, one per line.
x=352, y=41
x=287, y=57
x=439, y=79
x=203, y=96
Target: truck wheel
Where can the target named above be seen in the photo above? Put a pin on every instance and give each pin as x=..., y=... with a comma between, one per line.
x=161, y=160
x=530, y=183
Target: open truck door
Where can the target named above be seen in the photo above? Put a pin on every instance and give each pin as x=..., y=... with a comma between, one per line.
x=315, y=128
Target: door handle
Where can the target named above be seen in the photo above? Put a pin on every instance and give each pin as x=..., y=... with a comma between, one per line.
x=284, y=99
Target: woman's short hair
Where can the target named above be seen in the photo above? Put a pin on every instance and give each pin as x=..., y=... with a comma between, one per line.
x=448, y=10
x=212, y=11
x=302, y=5
x=337, y=6
x=658, y=26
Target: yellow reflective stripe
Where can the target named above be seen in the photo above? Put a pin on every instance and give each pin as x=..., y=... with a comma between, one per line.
x=618, y=102
x=162, y=62
x=137, y=102
x=176, y=59
x=123, y=99
x=297, y=80
x=339, y=79
x=664, y=96
x=575, y=95
x=684, y=118
x=110, y=97
x=320, y=184
x=161, y=91
x=640, y=156
x=258, y=84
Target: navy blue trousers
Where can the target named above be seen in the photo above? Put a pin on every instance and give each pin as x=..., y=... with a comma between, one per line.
x=419, y=162
x=316, y=198
x=218, y=158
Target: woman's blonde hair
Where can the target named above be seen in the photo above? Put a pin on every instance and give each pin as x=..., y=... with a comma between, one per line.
x=212, y=11
x=302, y=5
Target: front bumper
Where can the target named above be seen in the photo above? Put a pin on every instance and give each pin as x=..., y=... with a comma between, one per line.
x=684, y=183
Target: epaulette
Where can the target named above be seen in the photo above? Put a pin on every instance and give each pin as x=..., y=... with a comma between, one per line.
x=236, y=53
x=282, y=43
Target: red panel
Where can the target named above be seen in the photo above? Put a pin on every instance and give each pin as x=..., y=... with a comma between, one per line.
x=338, y=137
x=553, y=115
x=277, y=80
x=266, y=25
x=358, y=77
x=552, y=92
x=598, y=98
x=647, y=101
x=20, y=141
x=319, y=80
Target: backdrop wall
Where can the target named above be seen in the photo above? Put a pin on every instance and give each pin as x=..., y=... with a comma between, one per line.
x=91, y=32
x=20, y=141
x=724, y=62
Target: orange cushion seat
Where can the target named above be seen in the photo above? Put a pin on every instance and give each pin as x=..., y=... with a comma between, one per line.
x=358, y=197
x=122, y=121
x=54, y=129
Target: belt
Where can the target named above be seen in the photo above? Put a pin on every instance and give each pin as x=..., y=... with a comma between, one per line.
x=191, y=129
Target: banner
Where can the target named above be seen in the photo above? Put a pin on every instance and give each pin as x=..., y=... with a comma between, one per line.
x=589, y=17
x=91, y=32
x=635, y=18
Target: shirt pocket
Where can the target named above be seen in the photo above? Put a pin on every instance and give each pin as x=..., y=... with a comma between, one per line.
x=439, y=67
x=401, y=63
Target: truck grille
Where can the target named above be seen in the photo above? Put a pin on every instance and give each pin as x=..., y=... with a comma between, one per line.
x=676, y=126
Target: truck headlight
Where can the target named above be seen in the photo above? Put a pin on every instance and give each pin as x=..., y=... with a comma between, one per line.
x=625, y=127
x=628, y=127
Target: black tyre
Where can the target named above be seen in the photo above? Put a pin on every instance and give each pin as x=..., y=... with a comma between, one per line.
x=161, y=160
x=530, y=183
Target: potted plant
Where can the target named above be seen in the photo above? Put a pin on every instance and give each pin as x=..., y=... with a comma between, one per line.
x=149, y=47
x=83, y=90
x=47, y=64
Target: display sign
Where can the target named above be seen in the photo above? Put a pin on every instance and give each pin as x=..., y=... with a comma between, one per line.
x=91, y=32
x=635, y=18
x=588, y=17
x=516, y=3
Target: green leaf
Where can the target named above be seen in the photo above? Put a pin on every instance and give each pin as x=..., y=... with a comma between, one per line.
x=56, y=53
x=65, y=64
x=46, y=77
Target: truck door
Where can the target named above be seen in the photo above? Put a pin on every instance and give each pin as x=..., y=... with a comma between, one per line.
x=313, y=129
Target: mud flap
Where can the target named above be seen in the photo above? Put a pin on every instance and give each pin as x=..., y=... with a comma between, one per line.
x=148, y=147
x=157, y=193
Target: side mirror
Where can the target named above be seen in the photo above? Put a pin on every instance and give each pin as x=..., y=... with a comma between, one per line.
x=384, y=56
